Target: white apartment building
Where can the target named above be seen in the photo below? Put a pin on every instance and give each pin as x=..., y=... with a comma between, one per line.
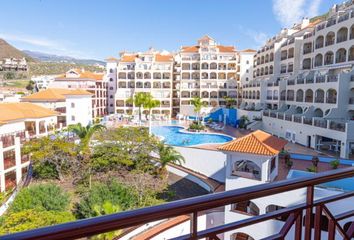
x=73, y=105
x=94, y=83
x=18, y=122
x=304, y=82
x=207, y=70
x=43, y=81
x=149, y=71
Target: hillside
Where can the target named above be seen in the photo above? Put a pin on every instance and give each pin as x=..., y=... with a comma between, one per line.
x=52, y=68
x=46, y=57
x=6, y=51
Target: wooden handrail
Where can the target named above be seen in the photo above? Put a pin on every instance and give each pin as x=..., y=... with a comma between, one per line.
x=96, y=225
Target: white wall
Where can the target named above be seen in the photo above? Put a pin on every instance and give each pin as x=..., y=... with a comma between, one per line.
x=208, y=162
x=79, y=107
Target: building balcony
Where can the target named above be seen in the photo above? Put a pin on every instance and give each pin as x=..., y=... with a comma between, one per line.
x=322, y=123
x=307, y=121
x=297, y=119
x=305, y=218
x=337, y=125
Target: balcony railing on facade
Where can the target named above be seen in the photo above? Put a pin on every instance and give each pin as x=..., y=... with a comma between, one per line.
x=336, y=125
x=305, y=218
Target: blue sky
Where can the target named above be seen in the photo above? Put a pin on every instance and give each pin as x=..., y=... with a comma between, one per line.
x=97, y=29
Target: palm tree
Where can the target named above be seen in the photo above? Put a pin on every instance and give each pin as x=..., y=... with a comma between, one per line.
x=85, y=134
x=138, y=100
x=149, y=104
x=198, y=104
x=168, y=155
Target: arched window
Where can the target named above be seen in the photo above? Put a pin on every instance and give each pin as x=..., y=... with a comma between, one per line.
x=139, y=75
x=329, y=57
x=341, y=55
x=319, y=42
x=213, y=66
x=271, y=69
x=266, y=58
x=309, y=96
x=299, y=95
x=271, y=57
x=319, y=96
x=318, y=60
x=306, y=63
x=213, y=75
x=247, y=207
x=241, y=236
x=342, y=35
x=351, y=54
x=331, y=96
x=205, y=66
x=330, y=38
x=318, y=112
x=290, y=95
x=147, y=75
x=273, y=208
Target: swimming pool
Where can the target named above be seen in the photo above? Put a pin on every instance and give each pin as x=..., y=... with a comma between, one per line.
x=346, y=184
x=174, y=135
x=322, y=159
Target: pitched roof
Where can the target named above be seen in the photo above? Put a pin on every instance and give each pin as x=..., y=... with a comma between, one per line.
x=163, y=58
x=83, y=74
x=249, y=50
x=55, y=94
x=226, y=48
x=111, y=59
x=257, y=142
x=17, y=111
x=128, y=58
x=190, y=48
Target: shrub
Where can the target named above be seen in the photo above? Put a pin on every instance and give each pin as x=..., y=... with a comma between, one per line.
x=334, y=163
x=43, y=197
x=196, y=126
x=115, y=193
x=312, y=169
x=31, y=219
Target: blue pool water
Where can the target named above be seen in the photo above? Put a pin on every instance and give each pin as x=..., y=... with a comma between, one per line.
x=346, y=184
x=172, y=135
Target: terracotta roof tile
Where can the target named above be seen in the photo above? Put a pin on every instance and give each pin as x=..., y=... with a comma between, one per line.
x=190, y=49
x=257, y=142
x=163, y=58
x=55, y=94
x=249, y=50
x=17, y=111
x=128, y=58
x=226, y=48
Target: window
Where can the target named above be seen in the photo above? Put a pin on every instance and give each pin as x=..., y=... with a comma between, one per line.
x=272, y=164
x=72, y=118
x=111, y=79
x=110, y=88
x=247, y=71
x=246, y=78
x=72, y=105
x=111, y=70
x=110, y=96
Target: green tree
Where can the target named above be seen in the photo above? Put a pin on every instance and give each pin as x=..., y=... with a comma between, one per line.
x=30, y=86
x=85, y=133
x=133, y=146
x=139, y=99
x=31, y=219
x=51, y=158
x=149, y=104
x=167, y=154
x=42, y=197
x=229, y=101
x=198, y=105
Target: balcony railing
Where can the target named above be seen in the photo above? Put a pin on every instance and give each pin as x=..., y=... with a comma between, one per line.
x=281, y=116
x=310, y=209
x=288, y=117
x=307, y=121
x=266, y=113
x=322, y=123
x=291, y=82
x=320, y=79
x=332, y=78
x=338, y=126
x=297, y=119
x=300, y=81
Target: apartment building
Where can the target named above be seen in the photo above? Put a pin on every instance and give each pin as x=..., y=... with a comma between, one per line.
x=18, y=122
x=94, y=83
x=207, y=70
x=43, y=81
x=149, y=71
x=303, y=79
x=73, y=105
x=13, y=64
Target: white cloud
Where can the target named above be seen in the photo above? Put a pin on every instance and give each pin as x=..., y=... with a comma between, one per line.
x=288, y=12
x=44, y=45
